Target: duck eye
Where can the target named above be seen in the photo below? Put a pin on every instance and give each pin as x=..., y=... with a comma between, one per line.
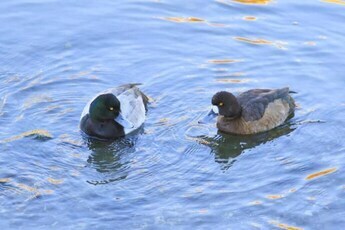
x=111, y=108
x=221, y=104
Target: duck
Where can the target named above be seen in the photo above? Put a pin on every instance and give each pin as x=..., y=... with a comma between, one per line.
x=253, y=111
x=114, y=112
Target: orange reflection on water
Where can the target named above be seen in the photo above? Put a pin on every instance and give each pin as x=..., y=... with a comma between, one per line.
x=54, y=181
x=274, y=197
x=256, y=2
x=223, y=61
x=284, y=226
x=259, y=41
x=249, y=18
x=340, y=2
x=321, y=173
x=39, y=133
x=183, y=19
x=253, y=41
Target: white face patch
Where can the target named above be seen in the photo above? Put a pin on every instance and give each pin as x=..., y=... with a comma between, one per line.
x=215, y=109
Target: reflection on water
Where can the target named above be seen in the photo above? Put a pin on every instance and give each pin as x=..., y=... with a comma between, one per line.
x=55, y=56
x=340, y=2
x=110, y=158
x=226, y=147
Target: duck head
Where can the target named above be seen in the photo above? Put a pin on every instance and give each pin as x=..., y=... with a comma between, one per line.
x=227, y=104
x=107, y=107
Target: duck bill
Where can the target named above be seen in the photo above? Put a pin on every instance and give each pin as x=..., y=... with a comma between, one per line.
x=124, y=122
x=209, y=116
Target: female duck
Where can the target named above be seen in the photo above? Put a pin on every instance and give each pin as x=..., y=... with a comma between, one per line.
x=114, y=113
x=253, y=111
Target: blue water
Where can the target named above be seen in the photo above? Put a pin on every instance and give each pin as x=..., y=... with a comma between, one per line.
x=173, y=173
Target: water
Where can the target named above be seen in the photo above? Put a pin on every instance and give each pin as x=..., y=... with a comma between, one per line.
x=173, y=173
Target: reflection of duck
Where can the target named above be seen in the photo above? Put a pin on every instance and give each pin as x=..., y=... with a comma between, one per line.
x=227, y=147
x=114, y=113
x=108, y=158
x=253, y=111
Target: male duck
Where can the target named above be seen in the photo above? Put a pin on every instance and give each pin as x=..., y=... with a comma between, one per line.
x=253, y=111
x=114, y=112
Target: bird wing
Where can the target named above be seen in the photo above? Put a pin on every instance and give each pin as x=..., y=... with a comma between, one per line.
x=254, y=102
x=132, y=107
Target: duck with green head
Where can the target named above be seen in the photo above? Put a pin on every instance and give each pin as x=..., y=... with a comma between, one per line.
x=114, y=113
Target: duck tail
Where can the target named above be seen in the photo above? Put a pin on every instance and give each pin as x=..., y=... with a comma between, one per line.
x=131, y=85
x=290, y=91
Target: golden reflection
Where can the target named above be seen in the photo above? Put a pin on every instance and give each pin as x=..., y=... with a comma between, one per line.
x=339, y=2
x=247, y=2
x=321, y=173
x=183, y=19
x=284, y=226
x=54, y=181
x=253, y=41
x=257, y=2
x=36, y=192
x=38, y=133
x=26, y=188
x=275, y=197
x=249, y=18
x=260, y=42
x=224, y=61
x=4, y=180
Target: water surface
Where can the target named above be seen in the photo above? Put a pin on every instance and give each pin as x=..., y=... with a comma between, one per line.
x=173, y=173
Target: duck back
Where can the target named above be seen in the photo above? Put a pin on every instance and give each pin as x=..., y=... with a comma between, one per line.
x=262, y=110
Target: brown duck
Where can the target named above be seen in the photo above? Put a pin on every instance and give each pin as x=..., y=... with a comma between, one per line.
x=253, y=111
